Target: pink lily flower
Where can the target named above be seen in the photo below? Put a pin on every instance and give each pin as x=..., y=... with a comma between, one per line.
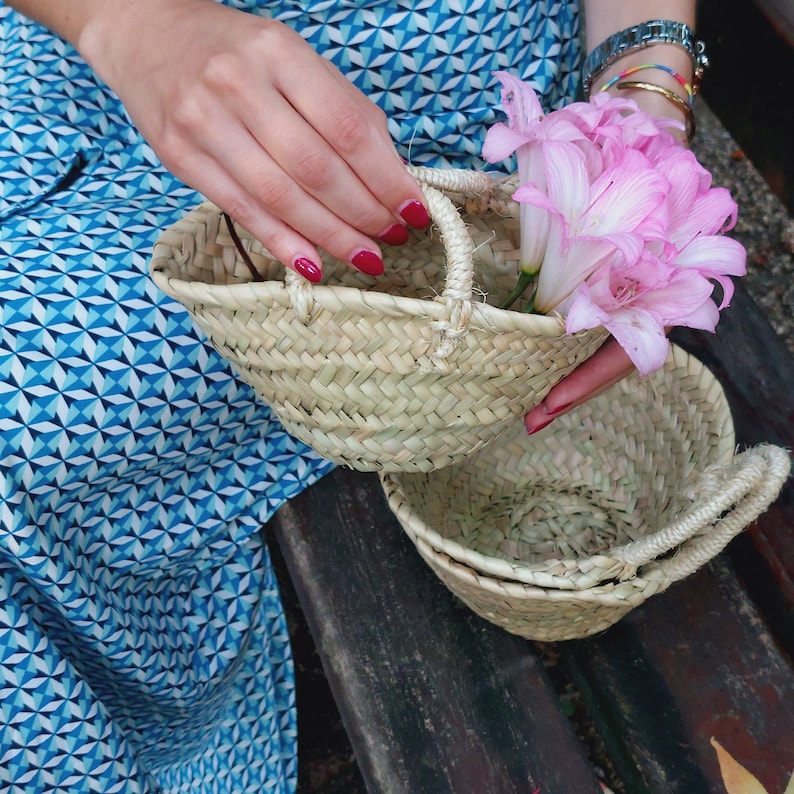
x=699, y=214
x=525, y=135
x=635, y=303
x=620, y=225
x=592, y=222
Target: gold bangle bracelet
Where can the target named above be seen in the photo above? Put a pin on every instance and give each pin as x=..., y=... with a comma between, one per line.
x=669, y=95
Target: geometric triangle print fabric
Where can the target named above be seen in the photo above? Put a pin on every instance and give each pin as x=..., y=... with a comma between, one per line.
x=143, y=646
x=429, y=65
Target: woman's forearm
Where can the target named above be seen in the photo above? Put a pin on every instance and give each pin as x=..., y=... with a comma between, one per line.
x=67, y=19
x=603, y=18
x=99, y=29
x=241, y=108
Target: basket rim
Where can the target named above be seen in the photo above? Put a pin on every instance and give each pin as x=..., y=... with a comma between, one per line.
x=454, y=187
x=580, y=574
x=610, y=594
x=249, y=296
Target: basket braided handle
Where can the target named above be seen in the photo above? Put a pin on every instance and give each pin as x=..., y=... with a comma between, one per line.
x=738, y=494
x=476, y=184
x=459, y=247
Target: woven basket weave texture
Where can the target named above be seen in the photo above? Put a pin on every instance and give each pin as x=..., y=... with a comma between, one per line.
x=409, y=371
x=559, y=535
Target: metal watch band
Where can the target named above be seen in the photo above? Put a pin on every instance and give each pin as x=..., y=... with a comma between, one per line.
x=656, y=31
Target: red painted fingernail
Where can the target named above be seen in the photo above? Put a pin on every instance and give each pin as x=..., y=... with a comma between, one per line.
x=414, y=214
x=367, y=262
x=560, y=409
x=546, y=418
x=396, y=234
x=308, y=269
x=534, y=426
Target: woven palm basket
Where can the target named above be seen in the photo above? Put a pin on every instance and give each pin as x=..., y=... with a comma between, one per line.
x=409, y=371
x=559, y=535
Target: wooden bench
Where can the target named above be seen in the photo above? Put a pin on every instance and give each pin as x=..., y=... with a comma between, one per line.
x=437, y=700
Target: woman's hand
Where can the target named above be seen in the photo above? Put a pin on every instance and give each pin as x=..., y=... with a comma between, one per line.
x=606, y=367
x=242, y=109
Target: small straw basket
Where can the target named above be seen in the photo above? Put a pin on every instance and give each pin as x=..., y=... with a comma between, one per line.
x=558, y=535
x=409, y=371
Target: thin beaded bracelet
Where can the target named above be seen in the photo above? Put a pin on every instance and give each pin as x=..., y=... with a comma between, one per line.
x=667, y=94
x=634, y=69
x=637, y=37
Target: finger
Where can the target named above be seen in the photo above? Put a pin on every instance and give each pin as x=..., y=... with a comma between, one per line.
x=231, y=168
x=311, y=162
x=282, y=91
x=283, y=242
x=357, y=131
x=271, y=193
x=606, y=367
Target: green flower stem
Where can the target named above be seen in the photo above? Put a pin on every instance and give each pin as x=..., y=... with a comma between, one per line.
x=524, y=280
x=530, y=307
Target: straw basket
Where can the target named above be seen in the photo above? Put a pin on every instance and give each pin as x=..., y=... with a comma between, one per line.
x=412, y=370
x=559, y=535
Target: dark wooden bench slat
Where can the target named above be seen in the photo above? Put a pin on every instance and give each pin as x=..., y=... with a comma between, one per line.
x=437, y=700
x=695, y=662
x=434, y=699
x=756, y=371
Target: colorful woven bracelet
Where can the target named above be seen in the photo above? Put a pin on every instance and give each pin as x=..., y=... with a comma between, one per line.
x=646, y=34
x=634, y=69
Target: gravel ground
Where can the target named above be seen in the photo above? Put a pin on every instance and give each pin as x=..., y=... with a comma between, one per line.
x=764, y=227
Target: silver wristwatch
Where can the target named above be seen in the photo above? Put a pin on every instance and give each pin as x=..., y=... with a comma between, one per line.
x=656, y=31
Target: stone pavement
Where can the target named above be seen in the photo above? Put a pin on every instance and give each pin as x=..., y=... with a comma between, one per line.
x=765, y=226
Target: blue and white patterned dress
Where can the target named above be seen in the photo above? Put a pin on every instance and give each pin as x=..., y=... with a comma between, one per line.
x=143, y=647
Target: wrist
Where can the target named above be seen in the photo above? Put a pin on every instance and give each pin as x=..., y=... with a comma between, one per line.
x=667, y=56
x=635, y=39
x=666, y=66
x=111, y=31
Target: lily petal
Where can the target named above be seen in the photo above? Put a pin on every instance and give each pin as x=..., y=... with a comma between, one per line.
x=682, y=298
x=704, y=318
x=567, y=179
x=501, y=142
x=714, y=255
x=641, y=334
x=567, y=264
x=520, y=102
x=630, y=195
x=710, y=213
x=532, y=194
x=584, y=313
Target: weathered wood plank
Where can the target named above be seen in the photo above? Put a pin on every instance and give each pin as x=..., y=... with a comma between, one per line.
x=703, y=659
x=757, y=372
x=694, y=662
x=435, y=699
